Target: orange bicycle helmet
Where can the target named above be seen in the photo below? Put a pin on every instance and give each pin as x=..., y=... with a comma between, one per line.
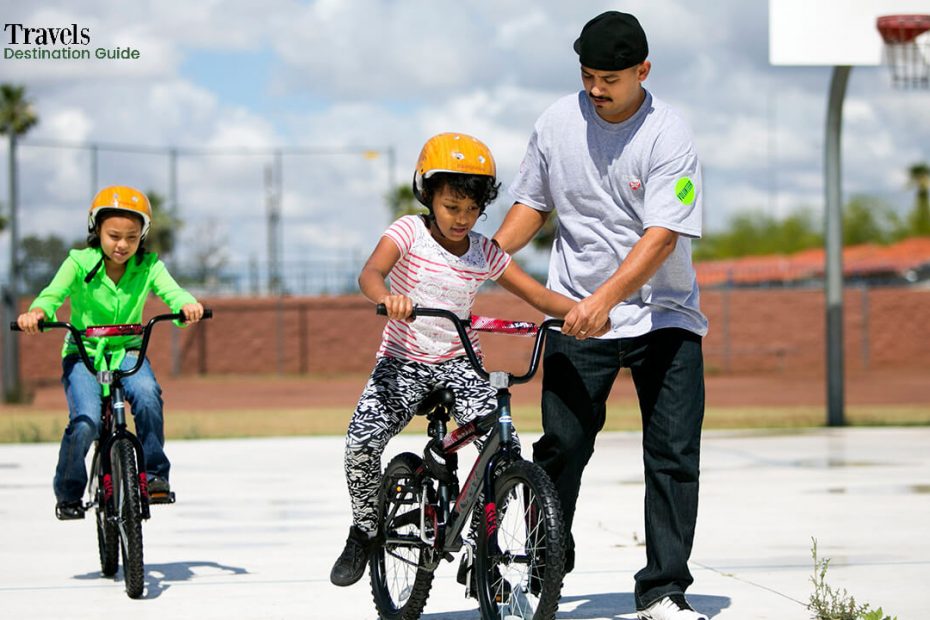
x=452, y=152
x=121, y=198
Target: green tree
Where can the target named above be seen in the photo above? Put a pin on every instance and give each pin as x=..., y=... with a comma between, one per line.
x=919, y=219
x=799, y=231
x=17, y=116
x=41, y=258
x=755, y=233
x=165, y=226
x=867, y=219
x=403, y=202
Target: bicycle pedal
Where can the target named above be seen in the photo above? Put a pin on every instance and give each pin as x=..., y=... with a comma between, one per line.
x=162, y=498
x=69, y=513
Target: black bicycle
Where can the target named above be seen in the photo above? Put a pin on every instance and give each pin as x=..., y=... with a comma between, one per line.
x=519, y=553
x=117, y=487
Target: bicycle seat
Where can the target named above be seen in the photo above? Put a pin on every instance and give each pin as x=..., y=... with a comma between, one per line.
x=441, y=399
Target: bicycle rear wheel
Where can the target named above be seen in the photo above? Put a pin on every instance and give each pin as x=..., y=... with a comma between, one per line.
x=400, y=564
x=128, y=515
x=520, y=574
x=107, y=532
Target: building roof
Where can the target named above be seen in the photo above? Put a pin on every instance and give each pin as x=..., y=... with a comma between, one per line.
x=868, y=260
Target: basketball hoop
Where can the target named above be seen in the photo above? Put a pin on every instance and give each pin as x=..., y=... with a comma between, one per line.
x=907, y=49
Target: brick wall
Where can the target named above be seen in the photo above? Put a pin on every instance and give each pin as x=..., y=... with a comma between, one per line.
x=752, y=331
x=756, y=330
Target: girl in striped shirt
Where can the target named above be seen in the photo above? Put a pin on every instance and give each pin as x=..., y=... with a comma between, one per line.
x=434, y=260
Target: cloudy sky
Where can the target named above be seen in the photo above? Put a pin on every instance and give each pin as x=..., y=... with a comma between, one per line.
x=228, y=82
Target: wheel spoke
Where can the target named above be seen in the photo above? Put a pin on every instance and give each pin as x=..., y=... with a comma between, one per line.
x=400, y=573
x=513, y=575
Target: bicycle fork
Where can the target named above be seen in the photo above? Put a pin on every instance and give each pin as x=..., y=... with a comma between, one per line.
x=118, y=406
x=501, y=381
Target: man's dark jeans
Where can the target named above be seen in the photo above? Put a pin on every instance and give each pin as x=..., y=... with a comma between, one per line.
x=668, y=372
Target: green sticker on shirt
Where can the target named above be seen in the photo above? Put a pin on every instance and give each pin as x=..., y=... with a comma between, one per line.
x=684, y=191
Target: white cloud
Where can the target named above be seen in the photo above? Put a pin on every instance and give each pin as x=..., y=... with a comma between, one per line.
x=352, y=74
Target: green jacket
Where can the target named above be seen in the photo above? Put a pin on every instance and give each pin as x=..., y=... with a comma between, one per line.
x=101, y=302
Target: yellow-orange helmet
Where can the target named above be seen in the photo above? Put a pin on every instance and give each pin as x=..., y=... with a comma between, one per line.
x=121, y=198
x=452, y=152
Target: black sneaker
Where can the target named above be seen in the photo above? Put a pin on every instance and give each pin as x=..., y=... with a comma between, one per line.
x=69, y=510
x=350, y=567
x=158, y=485
x=159, y=491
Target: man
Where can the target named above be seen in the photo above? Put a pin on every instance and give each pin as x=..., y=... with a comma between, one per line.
x=619, y=167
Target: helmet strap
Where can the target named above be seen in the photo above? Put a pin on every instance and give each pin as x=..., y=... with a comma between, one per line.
x=90, y=274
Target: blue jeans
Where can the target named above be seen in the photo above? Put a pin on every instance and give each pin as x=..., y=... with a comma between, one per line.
x=84, y=403
x=668, y=373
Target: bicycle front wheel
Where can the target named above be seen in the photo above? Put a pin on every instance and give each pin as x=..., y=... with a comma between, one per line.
x=128, y=515
x=400, y=567
x=107, y=532
x=519, y=571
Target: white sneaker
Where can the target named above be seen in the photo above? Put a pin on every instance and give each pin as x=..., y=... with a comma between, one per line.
x=673, y=607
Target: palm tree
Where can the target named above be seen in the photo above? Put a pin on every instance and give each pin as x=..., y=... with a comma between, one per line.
x=919, y=177
x=402, y=201
x=16, y=118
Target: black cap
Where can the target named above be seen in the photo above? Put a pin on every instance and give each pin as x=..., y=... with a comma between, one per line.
x=612, y=41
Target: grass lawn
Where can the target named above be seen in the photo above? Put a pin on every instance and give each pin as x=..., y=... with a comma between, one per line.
x=47, y=426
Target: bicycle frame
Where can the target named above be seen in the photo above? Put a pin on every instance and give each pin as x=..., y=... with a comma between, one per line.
x=449, y=523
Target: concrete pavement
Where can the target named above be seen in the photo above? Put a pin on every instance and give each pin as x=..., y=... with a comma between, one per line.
x=259, y=522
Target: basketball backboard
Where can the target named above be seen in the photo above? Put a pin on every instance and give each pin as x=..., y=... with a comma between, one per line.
x=831, y=32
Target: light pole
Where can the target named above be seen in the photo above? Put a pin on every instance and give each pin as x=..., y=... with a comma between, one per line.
x=11, y=379
x=834, y=247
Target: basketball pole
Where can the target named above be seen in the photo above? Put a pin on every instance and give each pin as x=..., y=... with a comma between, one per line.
x=833, y=222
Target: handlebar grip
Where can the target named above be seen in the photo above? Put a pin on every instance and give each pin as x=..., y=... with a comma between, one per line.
x=14, y=326
x=207, y=313
x=382, y=310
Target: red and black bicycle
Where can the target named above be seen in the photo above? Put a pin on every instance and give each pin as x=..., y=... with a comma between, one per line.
x=519, y=555
x=117, y=487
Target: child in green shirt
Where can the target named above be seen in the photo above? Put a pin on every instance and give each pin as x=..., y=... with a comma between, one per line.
x=108, y=283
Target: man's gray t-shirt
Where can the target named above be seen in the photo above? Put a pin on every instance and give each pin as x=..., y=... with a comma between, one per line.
x=609, y=182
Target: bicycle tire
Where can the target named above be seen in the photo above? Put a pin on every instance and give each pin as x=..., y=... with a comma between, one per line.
x=107, y=532
x=129, y=516
x=522, y=575
x=401, y=575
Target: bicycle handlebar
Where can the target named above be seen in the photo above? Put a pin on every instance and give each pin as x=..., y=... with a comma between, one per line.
x=461, y=324
x=129, y=329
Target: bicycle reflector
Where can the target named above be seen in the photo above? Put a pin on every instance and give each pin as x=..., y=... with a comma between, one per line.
x=106, y=331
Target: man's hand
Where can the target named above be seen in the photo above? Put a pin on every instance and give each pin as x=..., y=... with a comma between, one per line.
x=589, y=318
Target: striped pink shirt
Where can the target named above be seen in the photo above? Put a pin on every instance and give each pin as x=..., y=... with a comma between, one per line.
x=432, y=277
